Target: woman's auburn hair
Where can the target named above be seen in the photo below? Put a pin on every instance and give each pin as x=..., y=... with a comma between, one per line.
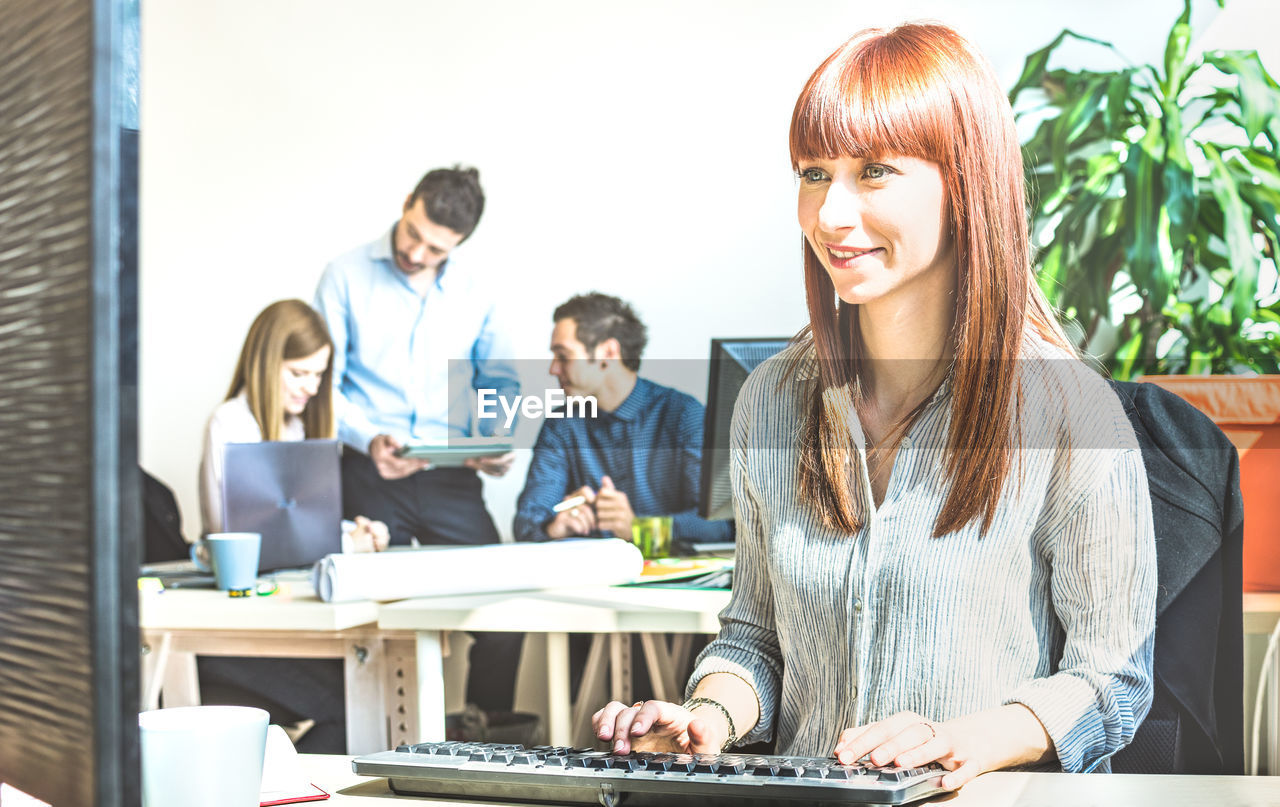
x=285, y=330
x=921, y=90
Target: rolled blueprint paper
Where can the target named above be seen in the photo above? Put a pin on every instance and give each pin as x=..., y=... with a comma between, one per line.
x=435, y=571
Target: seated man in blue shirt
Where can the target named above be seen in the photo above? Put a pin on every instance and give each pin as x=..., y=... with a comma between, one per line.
x=415, y=333
x=640, y=455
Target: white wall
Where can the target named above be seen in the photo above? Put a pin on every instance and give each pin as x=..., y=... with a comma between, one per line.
x=639, y=149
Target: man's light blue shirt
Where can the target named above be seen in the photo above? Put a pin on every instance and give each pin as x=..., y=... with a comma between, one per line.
x=407, y=364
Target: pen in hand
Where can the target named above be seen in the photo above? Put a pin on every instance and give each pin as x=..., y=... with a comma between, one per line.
x=569, y=504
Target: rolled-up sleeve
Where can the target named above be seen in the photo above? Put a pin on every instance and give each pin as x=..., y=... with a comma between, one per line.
x=1103, y=584
x=747, y=645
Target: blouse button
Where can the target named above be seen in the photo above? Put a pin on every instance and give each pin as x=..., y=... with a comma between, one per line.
x=857, y=605
x=906, y=442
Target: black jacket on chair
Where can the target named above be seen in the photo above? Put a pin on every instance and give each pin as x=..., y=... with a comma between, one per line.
x=1196, y=723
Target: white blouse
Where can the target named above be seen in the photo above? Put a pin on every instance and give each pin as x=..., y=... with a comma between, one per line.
x=231, y=422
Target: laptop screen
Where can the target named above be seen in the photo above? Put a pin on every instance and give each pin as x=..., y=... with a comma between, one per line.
x=291, y=493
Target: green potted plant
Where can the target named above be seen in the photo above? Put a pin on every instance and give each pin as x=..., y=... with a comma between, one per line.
x=1154, y=195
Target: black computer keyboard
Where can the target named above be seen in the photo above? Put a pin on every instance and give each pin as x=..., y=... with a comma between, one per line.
x=584, y=776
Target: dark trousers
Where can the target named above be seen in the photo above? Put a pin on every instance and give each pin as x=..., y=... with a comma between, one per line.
x=436, y=506
x=439, y=506
x=291, y=689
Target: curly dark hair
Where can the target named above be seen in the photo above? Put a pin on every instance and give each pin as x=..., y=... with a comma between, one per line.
x=600, y=317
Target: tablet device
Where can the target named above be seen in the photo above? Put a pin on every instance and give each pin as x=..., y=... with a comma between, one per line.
x=457, y=451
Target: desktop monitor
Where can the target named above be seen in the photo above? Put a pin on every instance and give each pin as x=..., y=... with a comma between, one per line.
x=70, y=500
x=732, y=360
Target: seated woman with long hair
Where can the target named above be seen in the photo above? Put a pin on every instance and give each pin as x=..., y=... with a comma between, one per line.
x=282, y=389
x=945, y=548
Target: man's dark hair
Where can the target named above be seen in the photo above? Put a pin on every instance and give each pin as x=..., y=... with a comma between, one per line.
x=451, y=198
x=600, y=317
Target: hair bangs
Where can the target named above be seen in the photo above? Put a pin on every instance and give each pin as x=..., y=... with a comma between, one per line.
x=876, y=95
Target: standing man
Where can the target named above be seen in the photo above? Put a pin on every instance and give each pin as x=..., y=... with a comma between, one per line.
x=415, y=334
x=640, y=455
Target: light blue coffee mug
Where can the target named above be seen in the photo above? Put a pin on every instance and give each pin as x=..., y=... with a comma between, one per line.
x=233, y=556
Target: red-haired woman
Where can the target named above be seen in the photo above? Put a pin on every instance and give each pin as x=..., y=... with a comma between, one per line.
x=945, y=547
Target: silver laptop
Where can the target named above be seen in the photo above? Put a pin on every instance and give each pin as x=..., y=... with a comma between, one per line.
x=291, y=493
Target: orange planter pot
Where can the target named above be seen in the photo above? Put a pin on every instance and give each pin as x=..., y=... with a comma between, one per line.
x=1247, y=409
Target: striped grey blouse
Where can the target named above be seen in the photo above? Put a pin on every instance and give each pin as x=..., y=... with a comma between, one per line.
x=1054, y=608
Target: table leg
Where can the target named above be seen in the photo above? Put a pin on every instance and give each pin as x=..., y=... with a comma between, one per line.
x=680, y=646
x=430, y=685
x=155, y=660
x=620, y=666
x=559, y=706
x=181, y=682
x=586, y=703
x=364, y=675
x=662, y=675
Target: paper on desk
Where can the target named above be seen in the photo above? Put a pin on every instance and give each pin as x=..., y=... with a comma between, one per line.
x=435, y=571
x=282, y=779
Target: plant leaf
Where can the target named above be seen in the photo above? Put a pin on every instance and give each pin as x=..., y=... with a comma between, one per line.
x=1238, y=234
x=1175, y=53
x=1074, y=120
x=1118, y=88
x=1034, y=66
x=1259, y=94
x=1143, y=204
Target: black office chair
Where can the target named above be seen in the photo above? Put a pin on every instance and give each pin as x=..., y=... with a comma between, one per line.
x=1196, y=723
x=162, y=525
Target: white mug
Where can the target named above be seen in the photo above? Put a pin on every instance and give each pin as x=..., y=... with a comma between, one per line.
x=202, y=756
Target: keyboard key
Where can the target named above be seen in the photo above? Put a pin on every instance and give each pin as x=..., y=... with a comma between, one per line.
x=524, y=758
x=732, y=765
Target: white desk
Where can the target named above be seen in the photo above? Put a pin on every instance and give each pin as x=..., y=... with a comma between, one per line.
x=333, y=774
x=612, y=613
x=178, y=624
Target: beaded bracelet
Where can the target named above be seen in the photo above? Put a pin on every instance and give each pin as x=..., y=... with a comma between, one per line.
x=733, y=732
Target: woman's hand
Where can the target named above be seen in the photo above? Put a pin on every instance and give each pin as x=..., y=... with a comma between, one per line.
x=909, y=740
x=659, y=726
x=369, y=535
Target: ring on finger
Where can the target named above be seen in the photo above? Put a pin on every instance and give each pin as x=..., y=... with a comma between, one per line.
x=933, y=732
x=637, y=704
